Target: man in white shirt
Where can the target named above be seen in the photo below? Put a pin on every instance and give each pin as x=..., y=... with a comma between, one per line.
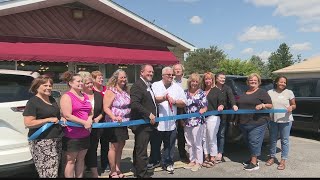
x=169, y=96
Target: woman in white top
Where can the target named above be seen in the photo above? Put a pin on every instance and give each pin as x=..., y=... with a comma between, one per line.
x=281, y=123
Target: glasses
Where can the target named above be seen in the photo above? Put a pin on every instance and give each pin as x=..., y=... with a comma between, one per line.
x=168, y=74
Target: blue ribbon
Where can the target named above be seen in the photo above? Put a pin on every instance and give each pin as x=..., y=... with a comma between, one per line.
x=158, y=119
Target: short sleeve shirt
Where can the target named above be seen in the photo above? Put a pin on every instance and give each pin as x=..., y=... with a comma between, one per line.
x=40, y=110
x=194, y=104
x=250, y=101
x=174, y=91
x=281, y=101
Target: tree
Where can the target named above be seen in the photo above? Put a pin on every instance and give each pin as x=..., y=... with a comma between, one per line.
x=237, y=67
x=203, y=60
x=260, y=65
x=280, y=59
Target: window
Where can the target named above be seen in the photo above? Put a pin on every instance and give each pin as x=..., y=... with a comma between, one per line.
x=7, y=65
x=303, y=87
x=132, y=71
x=14, y=87
x=51, y=69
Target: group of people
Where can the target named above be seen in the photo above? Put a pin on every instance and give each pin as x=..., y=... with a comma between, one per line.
x=86, y=102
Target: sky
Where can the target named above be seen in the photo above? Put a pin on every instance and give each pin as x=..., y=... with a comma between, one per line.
x=241, y=28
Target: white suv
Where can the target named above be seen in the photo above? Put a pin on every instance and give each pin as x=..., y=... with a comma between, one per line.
x=15, y=155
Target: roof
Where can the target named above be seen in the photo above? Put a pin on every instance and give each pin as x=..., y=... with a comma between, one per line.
x=310, y=65
x=107, y=7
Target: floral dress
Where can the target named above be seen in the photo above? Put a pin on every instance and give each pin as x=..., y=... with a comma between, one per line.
x=194, y=104
x=120, y=105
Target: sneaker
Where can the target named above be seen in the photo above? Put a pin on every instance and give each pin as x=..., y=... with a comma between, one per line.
x=196, y=167
x=251, y=167
x=248, y=162
x=105, y=169
x=170, y=169
x=152, y=166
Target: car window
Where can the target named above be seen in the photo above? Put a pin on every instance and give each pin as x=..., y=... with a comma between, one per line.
x=14, y=87
x=303, y=87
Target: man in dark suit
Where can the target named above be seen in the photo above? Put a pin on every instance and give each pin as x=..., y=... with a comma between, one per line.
x=143, y=106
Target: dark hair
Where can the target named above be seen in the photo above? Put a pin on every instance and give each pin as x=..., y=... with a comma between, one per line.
x=144, y=66
x=37, y=82
x=218, y=74
x=277, y=80
x=68, y=76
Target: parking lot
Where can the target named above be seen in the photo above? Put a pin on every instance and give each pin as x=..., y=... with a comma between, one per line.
x=303, y=162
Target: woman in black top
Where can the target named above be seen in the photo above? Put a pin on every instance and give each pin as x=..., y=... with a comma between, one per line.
x=215, y=102
x=253, y=126
x=229, y=102
x=96, y=101
x=41, y=109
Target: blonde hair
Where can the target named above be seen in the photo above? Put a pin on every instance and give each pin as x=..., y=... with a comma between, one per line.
x=85, y=75
x=203, y=84
x=254, y=75
x=112, y=82
x=193, y=77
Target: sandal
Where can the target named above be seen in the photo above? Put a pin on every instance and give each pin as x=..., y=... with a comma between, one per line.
x=270, y=162
x=121, y=175
x=207, y=164
x=114, y=175
x=281, y=166
x=217, y=161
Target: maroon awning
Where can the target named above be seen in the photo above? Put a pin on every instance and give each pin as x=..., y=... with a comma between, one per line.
x=53, y=52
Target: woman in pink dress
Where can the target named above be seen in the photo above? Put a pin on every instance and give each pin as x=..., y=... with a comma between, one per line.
x=116, y=104
x=75, y=107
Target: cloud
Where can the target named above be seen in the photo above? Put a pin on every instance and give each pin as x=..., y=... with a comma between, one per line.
x=228, y=46
x=247, y=51
x=301, y=47
x=264, y=55
x=307, y=11
x=259, y=3
x=196, y=20
x=256, y=33
x=313, y=28
x=184, y=1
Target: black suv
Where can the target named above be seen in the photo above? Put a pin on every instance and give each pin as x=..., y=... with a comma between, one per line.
x=307, y=95
x=239, y=86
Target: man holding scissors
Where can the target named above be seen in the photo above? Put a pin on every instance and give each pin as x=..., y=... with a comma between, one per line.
x=169, y=96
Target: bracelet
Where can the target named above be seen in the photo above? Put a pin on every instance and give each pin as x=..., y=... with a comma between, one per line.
x=263, y=106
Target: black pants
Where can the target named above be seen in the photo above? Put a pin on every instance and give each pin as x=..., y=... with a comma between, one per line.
x=181, y=141
x=104, y=149
x=91, y=156
x=155, y=142
x=140, y=154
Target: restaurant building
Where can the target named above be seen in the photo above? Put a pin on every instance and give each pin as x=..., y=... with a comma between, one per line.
x=53, y=36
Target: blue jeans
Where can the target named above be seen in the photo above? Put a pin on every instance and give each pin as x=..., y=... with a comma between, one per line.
x=221, y=133
x=253, y=135
x=284, y=130
x=169, y=141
